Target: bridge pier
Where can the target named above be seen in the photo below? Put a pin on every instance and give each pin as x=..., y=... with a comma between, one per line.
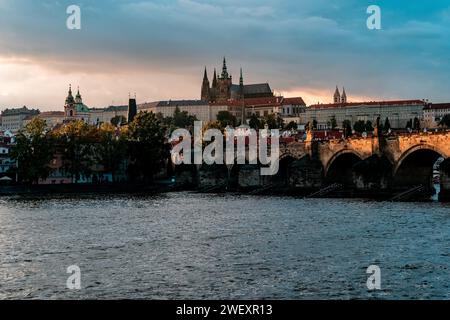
x=444, y=194
x=372, y=174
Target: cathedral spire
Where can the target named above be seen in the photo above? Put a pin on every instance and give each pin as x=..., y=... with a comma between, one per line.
x=205, y=76
x=337, y=96
x=214, y=82
x=344, y=96
x=205, y=87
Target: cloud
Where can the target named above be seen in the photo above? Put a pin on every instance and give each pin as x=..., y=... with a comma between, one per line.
x=160, y=47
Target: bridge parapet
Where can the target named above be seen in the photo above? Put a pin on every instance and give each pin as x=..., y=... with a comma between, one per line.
x=399, y=147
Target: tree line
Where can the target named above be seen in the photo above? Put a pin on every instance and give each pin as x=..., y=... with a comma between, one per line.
x=138, y=148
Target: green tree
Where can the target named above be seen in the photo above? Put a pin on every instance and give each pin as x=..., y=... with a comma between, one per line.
x=369, y=126
x=255, y=122
x=225, y=118
x=416, y=124
x=118, y=120
x=387, y=125
x=347, y=126
x=33, y=152
x=359, y=126
x=291, y=126
x=147, y=147
x=445, y=121
x=77, y=142
x=273, y=121
x=111, y=149
x=182, y=119
x=333, y=123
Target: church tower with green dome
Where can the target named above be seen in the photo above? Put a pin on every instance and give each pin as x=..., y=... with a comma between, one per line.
x=74, y=108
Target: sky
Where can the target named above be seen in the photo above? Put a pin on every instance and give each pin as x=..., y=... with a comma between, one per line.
x=157, y=49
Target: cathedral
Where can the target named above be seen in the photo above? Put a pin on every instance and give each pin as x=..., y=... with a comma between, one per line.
x=222, y=88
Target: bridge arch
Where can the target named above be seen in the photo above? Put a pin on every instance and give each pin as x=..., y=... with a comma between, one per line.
x=338, y=155
x=339, y=168
x=415, y=166
x=413, y=149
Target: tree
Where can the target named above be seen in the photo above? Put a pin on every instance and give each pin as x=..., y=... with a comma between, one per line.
x=182, y=119
x=255, y=122
x=416, y=124
x=445, y=121
x=76, y=142
x=273, y=121
x=118, y=120
x=333, y=123
x=409, y=124
x=33, y=152
x=387, y=125
x=291, y=126
x=369, y=126
x=225, y=118
x=111, y=149
x=347, y=125
x=147, y=147
x=359, y=126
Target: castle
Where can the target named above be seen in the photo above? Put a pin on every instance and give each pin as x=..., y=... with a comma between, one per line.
x=223, y=89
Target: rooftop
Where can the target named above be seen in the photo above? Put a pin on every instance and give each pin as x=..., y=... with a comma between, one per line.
x=437, y=106
x=368, y=103
x=175, y=103
x=16, y=111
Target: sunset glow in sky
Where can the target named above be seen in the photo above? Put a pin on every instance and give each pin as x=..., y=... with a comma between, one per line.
x=158, y=49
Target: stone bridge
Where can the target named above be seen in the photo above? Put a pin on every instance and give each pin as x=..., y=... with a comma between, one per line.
x=372, y=164
x=396, y=148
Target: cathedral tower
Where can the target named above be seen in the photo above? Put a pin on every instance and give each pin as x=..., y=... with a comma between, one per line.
x=337, y=96
x=344, y=96
x=205, y=95
x=224, y=83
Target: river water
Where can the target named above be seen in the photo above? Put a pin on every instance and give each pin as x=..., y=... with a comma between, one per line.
x=196, y=246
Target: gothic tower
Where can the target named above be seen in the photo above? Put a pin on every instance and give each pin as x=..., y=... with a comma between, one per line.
x=205, y=96
x=241, y=86
x=344, y=96
x=337, y=96
x=213, y=91
x=224, y=83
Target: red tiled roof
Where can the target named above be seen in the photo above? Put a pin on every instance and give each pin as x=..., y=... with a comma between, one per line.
x=264, y=101
x=368, y=103
x=294, y=101
x=437, y=106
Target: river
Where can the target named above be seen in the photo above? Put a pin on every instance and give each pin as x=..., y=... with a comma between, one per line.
x=197, y=246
